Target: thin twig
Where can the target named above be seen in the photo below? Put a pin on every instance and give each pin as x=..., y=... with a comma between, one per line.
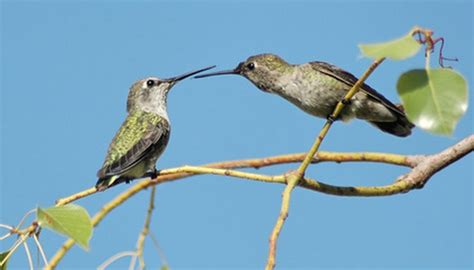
x=133, y=262
x=146, y=229
x=8, y=227
x=24, y=218
x=76, y=196
x=107, y=208
x=15, y=245
x=115, y=257
x=8, y=234
x=41, y=251
x=28, y=254
x=225, y=172
x=160, y=252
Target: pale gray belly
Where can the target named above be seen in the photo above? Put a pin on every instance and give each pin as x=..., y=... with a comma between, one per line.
x=317, y=98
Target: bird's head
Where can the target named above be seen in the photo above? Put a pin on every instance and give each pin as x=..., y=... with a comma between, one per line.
x=152, y=91
x=261, y=70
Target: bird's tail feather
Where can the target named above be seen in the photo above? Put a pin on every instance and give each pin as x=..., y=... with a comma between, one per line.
x=108, y=181
x=401, y=127
x=397, y=128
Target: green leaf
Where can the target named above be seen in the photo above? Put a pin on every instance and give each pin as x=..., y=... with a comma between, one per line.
x=397, y=49
x=70, y=220
x=2, y=256
x=434, y=99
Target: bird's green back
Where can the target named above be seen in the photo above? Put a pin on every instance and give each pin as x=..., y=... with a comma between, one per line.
x=138, y=131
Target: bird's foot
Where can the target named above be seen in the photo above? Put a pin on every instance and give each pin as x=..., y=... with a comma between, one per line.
x=153, y=174
x=346, y=101
x=331, y=119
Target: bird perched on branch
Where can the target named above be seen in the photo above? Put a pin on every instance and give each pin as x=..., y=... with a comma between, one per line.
x=143, y=135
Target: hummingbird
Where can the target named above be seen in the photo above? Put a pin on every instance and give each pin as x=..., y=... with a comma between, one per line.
x=316, y=88
x=144, y=134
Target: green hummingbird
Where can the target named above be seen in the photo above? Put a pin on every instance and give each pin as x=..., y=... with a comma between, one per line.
x=316, y=88
x=144, y=134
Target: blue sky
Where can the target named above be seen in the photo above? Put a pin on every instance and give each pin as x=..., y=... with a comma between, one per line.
x=65, y=73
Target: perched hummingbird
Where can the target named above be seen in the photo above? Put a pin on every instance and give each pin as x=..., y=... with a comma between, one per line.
x=143, y=135
x=316, y=87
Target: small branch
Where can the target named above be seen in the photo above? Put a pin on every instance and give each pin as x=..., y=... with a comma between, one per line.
x=41, y=251
x=285, y=205
x=8, y=227
x=15, y=245
x=3, y=237
x=322, y=156
x=297, y=176
x=9, y=233
x=363, y=191
x=24, y=218
x=117, y=256
x=146, y=228
x=224, y=172
x=133, y=262
x=98, y=217
x=28, y=255
x=76, y=196
x=23, y=236
x=163, y=260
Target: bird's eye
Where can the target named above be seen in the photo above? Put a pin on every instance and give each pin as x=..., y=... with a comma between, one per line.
x=150, y=83
x=251, y=66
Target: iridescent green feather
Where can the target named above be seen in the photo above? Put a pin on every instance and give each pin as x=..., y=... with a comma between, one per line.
x=137, y=126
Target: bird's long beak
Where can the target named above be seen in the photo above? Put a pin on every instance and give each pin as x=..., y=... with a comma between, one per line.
x=235, y=71
x=184, y=76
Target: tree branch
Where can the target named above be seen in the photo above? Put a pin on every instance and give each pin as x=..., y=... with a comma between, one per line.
x=285, y=205
x=257, y=163
x=28, y=255
x=434, y=163
x=447, y=157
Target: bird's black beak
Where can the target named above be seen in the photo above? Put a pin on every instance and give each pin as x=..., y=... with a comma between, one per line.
x=235, y=71
x=184, y=76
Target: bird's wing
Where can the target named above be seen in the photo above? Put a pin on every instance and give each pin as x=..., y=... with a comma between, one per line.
x=134, y=140
x=349, y=79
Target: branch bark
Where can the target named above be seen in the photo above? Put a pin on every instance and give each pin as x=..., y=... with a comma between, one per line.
x=434, y=163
